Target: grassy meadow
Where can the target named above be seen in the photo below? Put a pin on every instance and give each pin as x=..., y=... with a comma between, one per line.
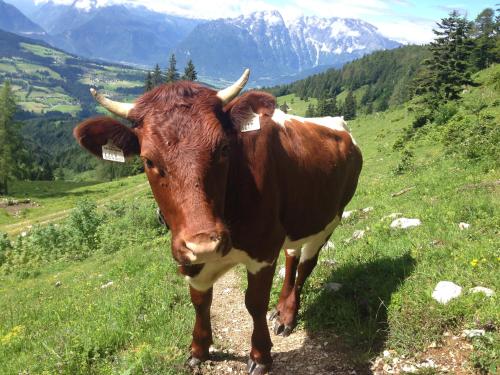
x=99, y=293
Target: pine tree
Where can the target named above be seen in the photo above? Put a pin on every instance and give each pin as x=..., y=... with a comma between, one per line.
x=190, y=73
x=7, y=111
x=148, y=82
x=156, y=77
x=172, y=74
x=310, y=111
x=449, y=63
x=331, y=107
x=485, y=33
x=321, y=107
x=349, y=109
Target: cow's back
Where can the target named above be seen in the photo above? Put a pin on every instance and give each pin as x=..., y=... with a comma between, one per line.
x=318, y=168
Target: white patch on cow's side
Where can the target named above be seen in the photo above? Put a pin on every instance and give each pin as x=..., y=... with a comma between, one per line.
x=212, y=271
x=335, y=123
x=308, y=247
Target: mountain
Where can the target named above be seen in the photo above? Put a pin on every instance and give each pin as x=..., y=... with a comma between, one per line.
x=121, y=33
x=13, y=20
x=275, y=48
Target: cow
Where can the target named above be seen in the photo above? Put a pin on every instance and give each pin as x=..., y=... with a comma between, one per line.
x=236, y=180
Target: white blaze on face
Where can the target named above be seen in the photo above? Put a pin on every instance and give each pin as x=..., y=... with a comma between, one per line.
x=334, y=123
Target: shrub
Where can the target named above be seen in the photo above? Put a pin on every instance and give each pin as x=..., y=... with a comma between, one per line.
x=406, y=163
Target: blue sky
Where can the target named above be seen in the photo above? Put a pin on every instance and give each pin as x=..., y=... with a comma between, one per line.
x=409, y=21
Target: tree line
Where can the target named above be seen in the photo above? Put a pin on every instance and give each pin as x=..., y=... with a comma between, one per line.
x=157, y=77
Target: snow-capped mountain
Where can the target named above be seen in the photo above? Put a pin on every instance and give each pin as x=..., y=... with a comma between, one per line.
x=277, y=50
x=276, y=47
x=326, y=41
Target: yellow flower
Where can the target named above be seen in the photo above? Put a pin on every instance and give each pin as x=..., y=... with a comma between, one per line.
x=474, y=262
x=14, y=332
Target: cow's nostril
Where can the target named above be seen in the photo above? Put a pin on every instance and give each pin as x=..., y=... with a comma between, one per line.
x=214, y=237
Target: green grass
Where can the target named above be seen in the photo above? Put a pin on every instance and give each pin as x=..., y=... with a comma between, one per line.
x=56, y=198
x=297, y=106
x=64, y=321
x=45, y=52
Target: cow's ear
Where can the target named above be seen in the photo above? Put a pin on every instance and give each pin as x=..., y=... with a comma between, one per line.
x=251, y=103
x=94, y=133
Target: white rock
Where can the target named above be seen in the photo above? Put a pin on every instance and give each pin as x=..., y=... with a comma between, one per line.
x=445, y=291
x=334, y=287
x=107, y=285
x=386, y=353
x=463, y=226
x=411, y=369
x=470, y=333
x=404, y=223
x=329, y=245
x=428, y=363
x=329, y=262
x=358, y=234
x=367, y=209
x=281, y=272
x=481, y=289
x=347, y=214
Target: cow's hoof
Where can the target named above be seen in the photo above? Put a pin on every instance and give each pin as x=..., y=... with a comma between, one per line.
x=254, y=368
x=278, y=327
x=282, y=329
x=273, y=314
x=193, y=362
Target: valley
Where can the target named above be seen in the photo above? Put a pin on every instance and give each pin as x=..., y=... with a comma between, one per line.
x=45, y=79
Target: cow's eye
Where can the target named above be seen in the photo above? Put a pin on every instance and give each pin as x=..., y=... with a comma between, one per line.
x=224, y=151
x=149, y=163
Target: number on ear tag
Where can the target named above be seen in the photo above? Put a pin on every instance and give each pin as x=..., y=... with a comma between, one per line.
x=112, y=153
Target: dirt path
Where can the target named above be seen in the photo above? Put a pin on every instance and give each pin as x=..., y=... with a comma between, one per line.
x=300, y=353
x=16, y=228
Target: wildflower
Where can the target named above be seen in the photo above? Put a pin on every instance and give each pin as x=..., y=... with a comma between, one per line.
x=474, y=262
x=14, y=332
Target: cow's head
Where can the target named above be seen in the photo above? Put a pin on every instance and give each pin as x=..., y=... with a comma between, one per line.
x=182, y=135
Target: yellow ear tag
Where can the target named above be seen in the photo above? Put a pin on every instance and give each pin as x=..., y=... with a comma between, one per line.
x=112, y=153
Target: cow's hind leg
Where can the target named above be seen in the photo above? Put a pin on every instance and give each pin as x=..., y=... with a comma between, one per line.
x=291, y=264
x=202, y=332
x=257, y=302
x=289, y=304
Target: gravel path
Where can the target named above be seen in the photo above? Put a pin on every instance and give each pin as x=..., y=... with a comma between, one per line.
x=300, y=353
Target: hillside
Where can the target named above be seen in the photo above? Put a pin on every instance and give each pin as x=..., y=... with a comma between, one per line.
x=46, y=79
x=13, y=20
x=122, y=308
x=379, y=80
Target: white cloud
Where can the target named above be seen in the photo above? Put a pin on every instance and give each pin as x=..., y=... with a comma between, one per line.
x=405, y=31
x=377, y=12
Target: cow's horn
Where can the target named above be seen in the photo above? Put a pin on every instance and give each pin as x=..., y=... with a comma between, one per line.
x=231, y=92
x=119, y=109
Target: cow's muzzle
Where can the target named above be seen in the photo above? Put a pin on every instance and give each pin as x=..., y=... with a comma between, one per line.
x=202, y=248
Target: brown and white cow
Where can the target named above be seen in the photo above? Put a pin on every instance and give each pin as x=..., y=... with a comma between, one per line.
x=237, y=181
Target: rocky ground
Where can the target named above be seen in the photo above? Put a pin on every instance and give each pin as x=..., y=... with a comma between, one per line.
x=319, y=354
x=299, y=353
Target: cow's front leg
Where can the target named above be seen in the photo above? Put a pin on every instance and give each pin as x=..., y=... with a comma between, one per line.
x=202, y=332
x=257, y=302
